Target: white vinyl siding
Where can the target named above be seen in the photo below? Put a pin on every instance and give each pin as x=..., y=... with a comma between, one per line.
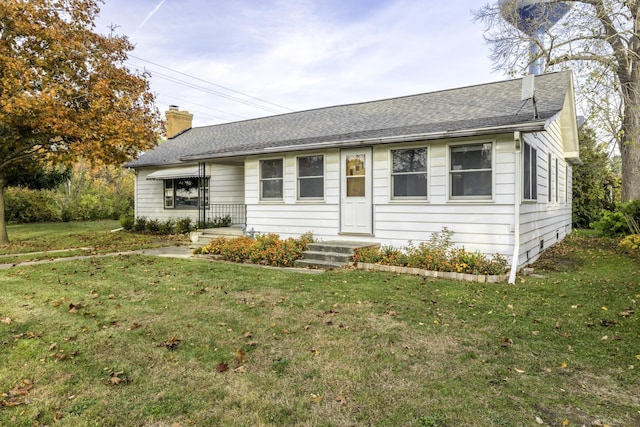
x=548, y=221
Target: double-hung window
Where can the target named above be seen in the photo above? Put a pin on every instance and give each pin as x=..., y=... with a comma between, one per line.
x=271, y=179
x=311, y=177
x=409, y=173
x=185, y=193
x=470, y=171
x=530, y=172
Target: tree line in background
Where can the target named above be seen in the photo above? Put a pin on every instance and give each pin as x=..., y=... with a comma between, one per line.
x=81, y=192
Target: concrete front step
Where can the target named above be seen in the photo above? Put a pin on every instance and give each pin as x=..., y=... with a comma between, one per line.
x=331, y=254
x=202, y=237
x=339, y=257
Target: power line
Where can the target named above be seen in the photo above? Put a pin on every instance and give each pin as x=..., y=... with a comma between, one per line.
x=203, y=113
x=212, y=84
x=207, y=90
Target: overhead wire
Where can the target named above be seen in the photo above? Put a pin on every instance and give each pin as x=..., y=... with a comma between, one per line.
x=217, y=93
x=206, y=90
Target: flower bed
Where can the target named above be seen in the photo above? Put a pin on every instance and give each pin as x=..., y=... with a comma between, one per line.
x=434, y=256
x=478, y=278
x=265, y=249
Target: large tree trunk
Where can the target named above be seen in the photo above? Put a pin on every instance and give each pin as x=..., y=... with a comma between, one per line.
x=4, y=237
x=630, y=144
x=630, y=154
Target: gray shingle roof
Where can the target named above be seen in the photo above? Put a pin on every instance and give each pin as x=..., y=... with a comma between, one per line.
x=469, y=108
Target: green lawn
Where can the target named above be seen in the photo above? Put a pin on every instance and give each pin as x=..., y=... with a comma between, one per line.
x=83, y=238
x=136, y=340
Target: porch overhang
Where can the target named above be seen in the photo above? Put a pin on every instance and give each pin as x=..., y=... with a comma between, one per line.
x=173, y=173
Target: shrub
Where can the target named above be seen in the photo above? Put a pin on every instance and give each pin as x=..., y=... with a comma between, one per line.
x=631, y=243
x=167, y=226
x=217, y=222
x=127, y=221
x=23, y=205
x=153, y=226
x=140, y=224
x=624, y=220
x=436, y=254
x=266, y=249
x=183, y=225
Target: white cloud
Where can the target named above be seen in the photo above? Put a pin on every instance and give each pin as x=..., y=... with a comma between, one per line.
x=307, y=53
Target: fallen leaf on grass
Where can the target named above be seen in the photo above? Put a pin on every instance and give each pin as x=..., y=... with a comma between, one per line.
x=6, y=320
x=563, y=365
x=539, y=420
x=171, y=344
x=341, y=399
x=626, y=313
x=316, y=398
x=506, y=342
x=222, y=367
x=240, y=355
x=565, y=423
x=15, y=396
x=520, y=371
x=608, y=322
x=240, y=369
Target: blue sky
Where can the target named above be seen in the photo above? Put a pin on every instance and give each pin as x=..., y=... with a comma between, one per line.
x=298, y=54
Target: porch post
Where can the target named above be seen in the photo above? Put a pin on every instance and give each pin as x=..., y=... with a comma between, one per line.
x=202, y=197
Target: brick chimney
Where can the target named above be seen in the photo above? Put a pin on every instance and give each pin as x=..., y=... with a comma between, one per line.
x=177, y=121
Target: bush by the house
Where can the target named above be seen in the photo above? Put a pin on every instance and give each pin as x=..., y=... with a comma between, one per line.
x=217, y=222
x=267, y=249
x=437, y=254
x=624, y=220
x=155, y=226
x=183, y=225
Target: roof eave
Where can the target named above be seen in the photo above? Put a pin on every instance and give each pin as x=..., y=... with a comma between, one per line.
x=522, y=127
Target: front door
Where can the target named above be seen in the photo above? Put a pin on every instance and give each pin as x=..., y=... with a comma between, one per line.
x=355, y=189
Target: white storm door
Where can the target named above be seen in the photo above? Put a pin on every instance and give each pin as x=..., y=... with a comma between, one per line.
x=355, y=189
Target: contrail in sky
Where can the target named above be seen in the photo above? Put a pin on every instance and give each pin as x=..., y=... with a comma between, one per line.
x=155, y=9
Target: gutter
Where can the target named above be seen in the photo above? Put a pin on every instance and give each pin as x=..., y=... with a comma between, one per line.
x=529, y=127
x=516, y=209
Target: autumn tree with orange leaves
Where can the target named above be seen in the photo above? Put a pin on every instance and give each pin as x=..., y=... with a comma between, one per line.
x=65, y=92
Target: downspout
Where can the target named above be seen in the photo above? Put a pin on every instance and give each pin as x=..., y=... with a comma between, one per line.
x=516, y=208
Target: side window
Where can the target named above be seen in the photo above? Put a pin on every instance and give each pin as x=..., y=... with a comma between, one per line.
x=549, y=178
x=470, y=171
x=557, y=182
x=271, y=179
x=311, y=177
x=530, y=172
x=409, y=173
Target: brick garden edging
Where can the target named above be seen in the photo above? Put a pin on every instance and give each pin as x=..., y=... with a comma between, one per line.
x=477, y=278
